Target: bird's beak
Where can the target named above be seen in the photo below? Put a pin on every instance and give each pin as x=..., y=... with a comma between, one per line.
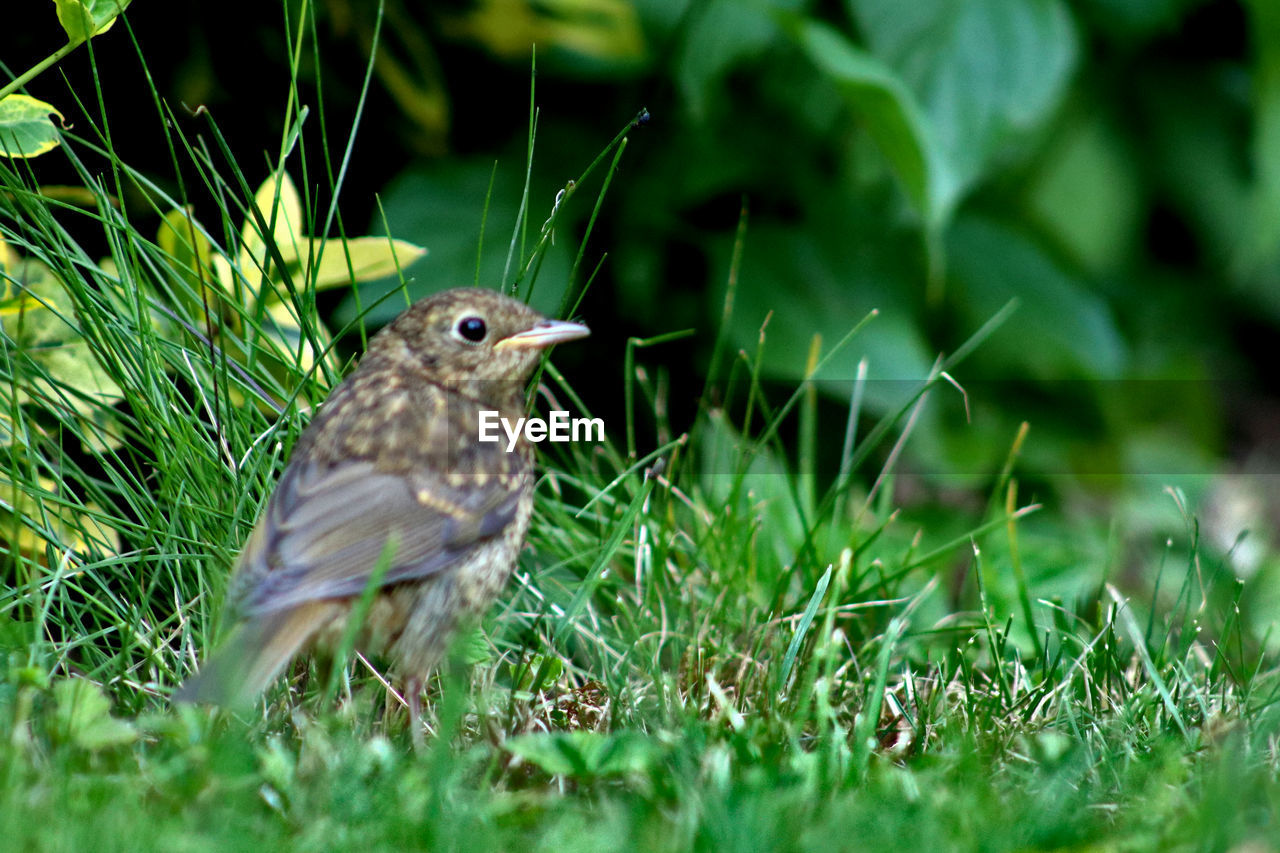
x=543, y=335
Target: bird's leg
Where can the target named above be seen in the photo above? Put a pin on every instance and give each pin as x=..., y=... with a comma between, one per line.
x=413, y=694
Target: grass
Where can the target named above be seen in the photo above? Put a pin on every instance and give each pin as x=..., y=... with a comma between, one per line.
x=710, y=644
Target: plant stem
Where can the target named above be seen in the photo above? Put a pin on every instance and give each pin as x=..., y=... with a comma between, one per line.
x=35, y=70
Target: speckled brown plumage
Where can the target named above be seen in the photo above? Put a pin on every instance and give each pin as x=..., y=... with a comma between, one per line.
x=393, y=456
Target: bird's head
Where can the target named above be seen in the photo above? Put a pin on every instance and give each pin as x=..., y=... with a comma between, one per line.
x=471, y=335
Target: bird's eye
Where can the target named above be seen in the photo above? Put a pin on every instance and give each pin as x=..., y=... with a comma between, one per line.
x=472, y=329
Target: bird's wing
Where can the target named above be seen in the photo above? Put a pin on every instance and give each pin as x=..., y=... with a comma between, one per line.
x=326, y=527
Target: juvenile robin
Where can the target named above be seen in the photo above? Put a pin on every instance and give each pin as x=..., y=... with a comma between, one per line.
x=391, y=473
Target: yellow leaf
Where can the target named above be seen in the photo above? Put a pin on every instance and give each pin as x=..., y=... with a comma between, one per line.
x=371, y=258
x=282, y=326
x=603, y=29
x=25, y=128
x=206, y=280
x=82, y=196
x=606, y=30
x=51, y=520
x=52, y=365
x=83, y=19
x=75, y=19
x=283, y=215
x=8, y=259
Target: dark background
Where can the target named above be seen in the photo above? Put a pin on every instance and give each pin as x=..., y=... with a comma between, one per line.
x=1122, y=191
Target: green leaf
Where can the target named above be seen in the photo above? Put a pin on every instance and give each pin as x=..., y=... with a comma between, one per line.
x=893, y=117
x=72, y=366
x=1136, y=18
x=722, y=34
x=83, y=19
x=550, y=667
x=1260, y=243
x=1086, y=189
x=25, y=127
x=1194, y=150
x=819, y=278
x=1062, y=330
x=472, y=648
x=587, y=754
x=82, y=714
x=987, y=73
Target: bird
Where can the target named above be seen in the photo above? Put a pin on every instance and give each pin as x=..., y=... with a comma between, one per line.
x=390, y=477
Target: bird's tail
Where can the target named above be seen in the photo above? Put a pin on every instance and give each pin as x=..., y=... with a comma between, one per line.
x=253, y=655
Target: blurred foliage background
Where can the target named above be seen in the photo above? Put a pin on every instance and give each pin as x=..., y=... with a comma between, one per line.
x=1113, y=165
